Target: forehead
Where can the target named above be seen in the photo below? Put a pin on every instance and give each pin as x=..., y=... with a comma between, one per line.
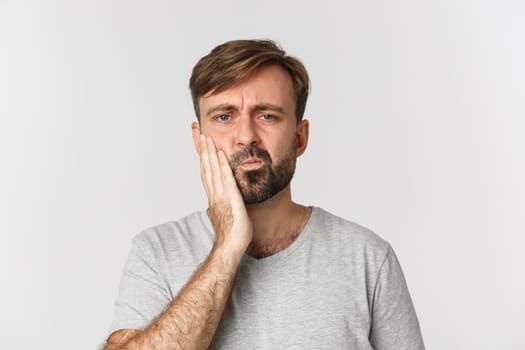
x=271, y=84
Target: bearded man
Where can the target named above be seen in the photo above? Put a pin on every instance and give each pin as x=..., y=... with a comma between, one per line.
x=256, y=270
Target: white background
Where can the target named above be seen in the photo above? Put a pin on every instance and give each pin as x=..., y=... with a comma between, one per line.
x=417, y=132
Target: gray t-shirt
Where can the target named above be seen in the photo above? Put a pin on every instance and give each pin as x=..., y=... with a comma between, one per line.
x=338, y=286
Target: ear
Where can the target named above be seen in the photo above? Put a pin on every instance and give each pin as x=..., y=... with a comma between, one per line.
x=302, y=136
x=196, y=133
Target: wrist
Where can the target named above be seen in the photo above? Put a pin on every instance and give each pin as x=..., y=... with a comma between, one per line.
x=228, y=253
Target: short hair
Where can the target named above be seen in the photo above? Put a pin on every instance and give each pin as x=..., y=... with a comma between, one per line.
x=236, y=61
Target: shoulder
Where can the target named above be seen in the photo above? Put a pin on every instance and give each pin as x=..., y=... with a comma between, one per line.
x=193, y=228
x=349, y=236
x=337, y=226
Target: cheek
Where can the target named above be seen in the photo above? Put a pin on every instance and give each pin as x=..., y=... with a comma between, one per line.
x=290, y=150
x=221, y=141
x=223, y=146
x=228, y=151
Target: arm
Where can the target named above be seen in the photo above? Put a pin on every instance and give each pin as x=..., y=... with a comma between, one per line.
x=394, y=320
x=191, y=320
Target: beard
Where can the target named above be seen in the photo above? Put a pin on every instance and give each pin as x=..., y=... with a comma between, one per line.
x=270, y=178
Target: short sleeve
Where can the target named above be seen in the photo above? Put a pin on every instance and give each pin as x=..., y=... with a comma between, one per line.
x=394, y=321
x=143, y=293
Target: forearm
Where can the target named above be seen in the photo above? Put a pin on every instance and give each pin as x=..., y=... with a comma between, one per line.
x=191, y=320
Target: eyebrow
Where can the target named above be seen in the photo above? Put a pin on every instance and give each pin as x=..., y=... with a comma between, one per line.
x=269, y=107
x=258, y=107
x=221, y=108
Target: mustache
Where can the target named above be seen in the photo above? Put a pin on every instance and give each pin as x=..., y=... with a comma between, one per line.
x=250, y=152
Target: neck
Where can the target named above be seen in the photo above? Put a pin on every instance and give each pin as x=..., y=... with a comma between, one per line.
x=276, y=223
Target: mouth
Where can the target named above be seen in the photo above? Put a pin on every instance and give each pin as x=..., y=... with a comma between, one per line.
x=251, y=164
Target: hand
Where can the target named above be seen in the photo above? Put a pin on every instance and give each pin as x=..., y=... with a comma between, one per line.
x=227, y=211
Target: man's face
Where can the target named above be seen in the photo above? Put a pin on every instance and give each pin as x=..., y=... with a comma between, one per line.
x=254, y=124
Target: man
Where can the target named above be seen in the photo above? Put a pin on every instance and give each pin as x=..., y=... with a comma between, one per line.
x=257, y=270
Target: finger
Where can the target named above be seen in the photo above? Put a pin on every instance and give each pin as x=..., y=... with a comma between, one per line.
x=230, y=185
x=214, y=166
x=226, y=170
x=205, y=165
x=203, y=168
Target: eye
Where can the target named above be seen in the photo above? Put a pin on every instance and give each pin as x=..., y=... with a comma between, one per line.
x=267, y=117
x=223, y=118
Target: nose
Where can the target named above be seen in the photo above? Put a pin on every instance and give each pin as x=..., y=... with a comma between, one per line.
x=246, y=133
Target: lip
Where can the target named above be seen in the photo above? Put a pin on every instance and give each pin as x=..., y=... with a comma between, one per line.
x=251, y=163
